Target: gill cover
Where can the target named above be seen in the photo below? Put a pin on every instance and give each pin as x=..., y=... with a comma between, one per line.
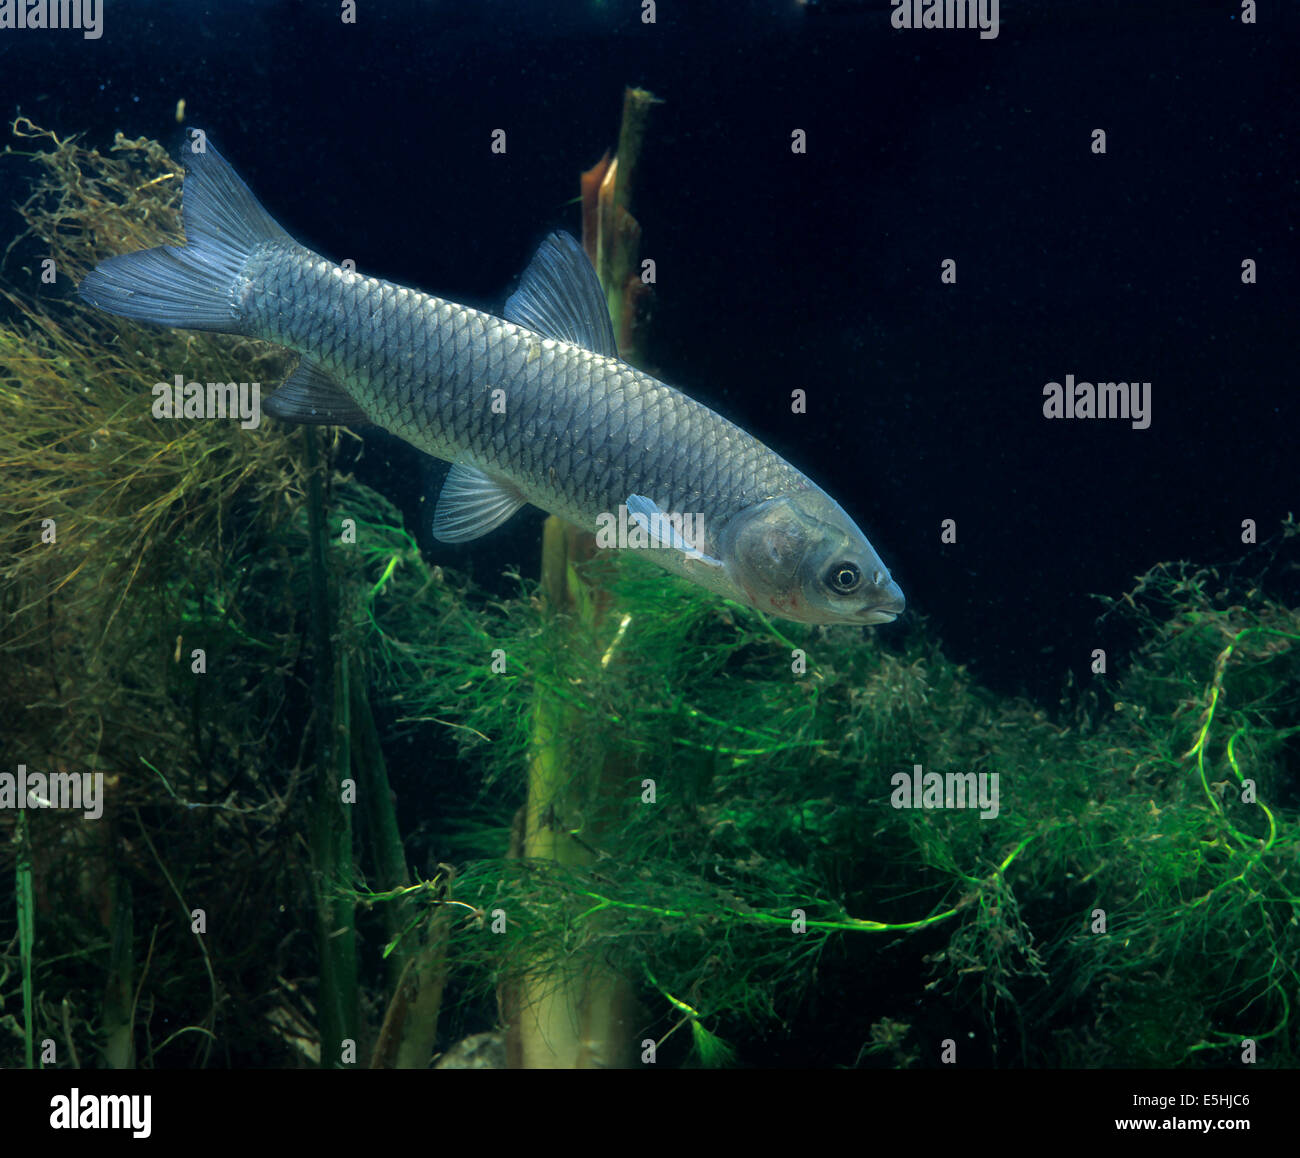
x=800, y=556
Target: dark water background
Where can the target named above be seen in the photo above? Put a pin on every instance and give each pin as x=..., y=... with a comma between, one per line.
x=778, y=271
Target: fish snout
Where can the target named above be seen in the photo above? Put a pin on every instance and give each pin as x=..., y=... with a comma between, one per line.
x=886, y=605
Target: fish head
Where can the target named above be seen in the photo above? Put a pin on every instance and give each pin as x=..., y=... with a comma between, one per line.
x=801, y=557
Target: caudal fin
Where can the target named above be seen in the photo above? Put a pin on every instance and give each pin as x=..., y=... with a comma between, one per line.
x=191, y=286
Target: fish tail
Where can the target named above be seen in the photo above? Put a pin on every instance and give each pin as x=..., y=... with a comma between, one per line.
x=196, y=286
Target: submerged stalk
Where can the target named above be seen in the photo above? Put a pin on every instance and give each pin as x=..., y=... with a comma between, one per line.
x=331, y=823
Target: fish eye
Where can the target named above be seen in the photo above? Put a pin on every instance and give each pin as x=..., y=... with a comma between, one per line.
x=844, y=577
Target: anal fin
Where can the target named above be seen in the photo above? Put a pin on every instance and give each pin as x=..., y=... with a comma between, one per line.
x=310, y=395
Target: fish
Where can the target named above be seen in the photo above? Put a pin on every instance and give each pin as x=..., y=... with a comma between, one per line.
x=534, y=406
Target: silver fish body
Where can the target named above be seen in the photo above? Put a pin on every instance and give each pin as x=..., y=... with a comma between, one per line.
x=576, y=431
x=531, y=408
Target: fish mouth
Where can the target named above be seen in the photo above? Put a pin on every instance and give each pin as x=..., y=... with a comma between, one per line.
x=887, y=610
x=875, y=615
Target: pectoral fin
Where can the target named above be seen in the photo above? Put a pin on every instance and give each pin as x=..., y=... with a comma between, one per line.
x=661, y=530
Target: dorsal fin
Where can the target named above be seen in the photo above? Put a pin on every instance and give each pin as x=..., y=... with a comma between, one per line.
x=559, y=296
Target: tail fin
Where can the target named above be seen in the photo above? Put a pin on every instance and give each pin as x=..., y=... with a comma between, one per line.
x=191, y=286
